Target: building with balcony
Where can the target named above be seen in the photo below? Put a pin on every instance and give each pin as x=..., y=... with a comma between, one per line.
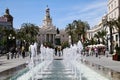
x=113, y=14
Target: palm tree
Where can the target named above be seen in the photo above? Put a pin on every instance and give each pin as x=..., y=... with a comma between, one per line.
x=78, y=28
x=4, y=39
x=101, y=35
x=92, y=41
x=28, y=32
x=98, y=37
x=81, y=28
x=110, y=25
x=117, y=25
x=70, y=30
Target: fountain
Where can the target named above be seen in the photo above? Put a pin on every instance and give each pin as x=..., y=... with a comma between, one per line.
x=35, y=64
x=73, y=57
x=72, y=61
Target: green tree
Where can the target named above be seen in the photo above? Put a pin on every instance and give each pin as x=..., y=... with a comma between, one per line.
x=1, y=35
x=101, y=35
x=117, y=25
x=92, y=41
x=28, y=32
x=65, y=44
x=80, y=29
x=70, y=31
x=97, y=37
x=77, y=29
x=110, y=25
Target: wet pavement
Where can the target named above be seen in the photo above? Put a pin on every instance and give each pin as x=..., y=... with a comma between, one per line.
x=110, y=74
x=7, y=74
x=57, y=71
x=11, y=67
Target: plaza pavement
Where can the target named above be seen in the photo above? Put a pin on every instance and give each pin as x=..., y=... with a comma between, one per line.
x=104, y=61
x=11, y=63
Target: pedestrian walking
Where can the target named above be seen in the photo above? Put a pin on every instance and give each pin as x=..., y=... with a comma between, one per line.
x=96, y=52
x=55, y=51
x=23, y=51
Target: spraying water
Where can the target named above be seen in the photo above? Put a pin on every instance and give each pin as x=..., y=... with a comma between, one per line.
x=35, y=64
x=71, y=60
x=72, y=56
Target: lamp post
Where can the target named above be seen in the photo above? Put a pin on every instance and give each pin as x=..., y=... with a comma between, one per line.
x=11, y=41
x=107, y=42
x=70, y=42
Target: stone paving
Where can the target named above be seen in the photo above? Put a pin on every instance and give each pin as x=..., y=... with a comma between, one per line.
x=57, y=68
x=11, y=63
x=104, y=61
x=57, y=71
x=11, y=67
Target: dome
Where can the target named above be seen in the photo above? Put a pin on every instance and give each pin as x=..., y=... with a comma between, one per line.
x=8, y=16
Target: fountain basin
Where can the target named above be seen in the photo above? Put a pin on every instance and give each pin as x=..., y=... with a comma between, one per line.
x=33, y=71
x=7, y=74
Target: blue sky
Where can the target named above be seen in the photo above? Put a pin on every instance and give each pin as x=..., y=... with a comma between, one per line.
x=62, y=12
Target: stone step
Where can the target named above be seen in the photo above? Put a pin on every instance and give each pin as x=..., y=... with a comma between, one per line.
x=58, y=73
x=57, y=70
x=54, y=77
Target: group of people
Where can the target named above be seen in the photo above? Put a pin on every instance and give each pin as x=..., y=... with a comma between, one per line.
x=23, y=51
x=95, y=51
x=58, y=51
x=16, y=52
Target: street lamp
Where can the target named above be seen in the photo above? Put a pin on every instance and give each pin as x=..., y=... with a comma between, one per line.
x=11, y=41
x=107, y=42
x=70, y=42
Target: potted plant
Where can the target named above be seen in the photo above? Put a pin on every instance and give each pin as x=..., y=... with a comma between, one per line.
x=118, y=53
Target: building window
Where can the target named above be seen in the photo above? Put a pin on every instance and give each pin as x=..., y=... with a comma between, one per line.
x=113, y=38
x=115, y=3
x=111, y=15
x=116, y=37
x=111, y=6
x=115, y=14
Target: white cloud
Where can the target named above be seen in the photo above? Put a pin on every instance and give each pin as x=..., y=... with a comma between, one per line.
x=91, y=13
x=94, y=6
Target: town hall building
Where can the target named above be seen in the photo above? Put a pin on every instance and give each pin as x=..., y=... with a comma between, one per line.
x=49, y=33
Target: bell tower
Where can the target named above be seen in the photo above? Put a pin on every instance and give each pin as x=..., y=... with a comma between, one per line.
x=48, y=13
x=47, y=22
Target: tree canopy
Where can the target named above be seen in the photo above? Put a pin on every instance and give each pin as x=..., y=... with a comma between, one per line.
x=77, y=30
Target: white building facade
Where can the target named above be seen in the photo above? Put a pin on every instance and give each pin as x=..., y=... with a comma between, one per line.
x=47, y=31
x=113, y=13
x=91, y=33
